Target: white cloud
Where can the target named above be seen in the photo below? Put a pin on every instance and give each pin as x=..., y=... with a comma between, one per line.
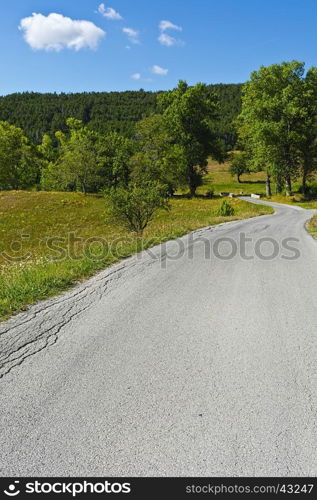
x=167, y=40
x=132, y=34
x=55, y=32
x=136, y=76
x=157, y=70
x=167, y=25
x=109, y=12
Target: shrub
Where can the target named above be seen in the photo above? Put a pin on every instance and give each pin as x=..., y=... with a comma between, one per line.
x=225, y=209
x=134, y=207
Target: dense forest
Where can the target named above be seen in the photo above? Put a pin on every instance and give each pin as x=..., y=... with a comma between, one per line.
x=95, y=142
x=177, y=133
x=104, y=112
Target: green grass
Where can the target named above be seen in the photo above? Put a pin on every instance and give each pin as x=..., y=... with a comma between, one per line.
x=32, y=219
x=219, y=179
x=299, y=201
x=312, y=224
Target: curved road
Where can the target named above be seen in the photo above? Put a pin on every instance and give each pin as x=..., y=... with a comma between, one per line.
x=181, y=361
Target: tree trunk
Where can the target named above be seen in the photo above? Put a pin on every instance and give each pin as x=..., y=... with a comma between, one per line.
x=279, y=185
x=139, y=241
x=192, y=182
x=268, y=186
x=304, y=182
x=288, y=186
x=238, y=178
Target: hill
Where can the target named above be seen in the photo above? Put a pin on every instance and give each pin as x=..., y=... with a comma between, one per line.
x=39, y=113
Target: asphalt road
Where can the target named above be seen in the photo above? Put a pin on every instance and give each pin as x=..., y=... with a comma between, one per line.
x=169, y=364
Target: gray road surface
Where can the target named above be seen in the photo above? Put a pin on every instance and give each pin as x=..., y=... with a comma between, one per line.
x=172, y=365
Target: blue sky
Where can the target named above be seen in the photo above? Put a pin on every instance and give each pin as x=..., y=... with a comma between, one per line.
x=204, y=40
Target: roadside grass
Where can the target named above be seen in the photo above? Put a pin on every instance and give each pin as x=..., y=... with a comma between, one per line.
x=312, y=224
x=219, y=179
x=50, y=241
x=40, y=257
x=299, y=201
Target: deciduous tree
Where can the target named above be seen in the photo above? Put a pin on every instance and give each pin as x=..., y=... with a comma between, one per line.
x=272, y=118
x=189, y=115
x=157, y=158
x=239, y=165
x=19, y=166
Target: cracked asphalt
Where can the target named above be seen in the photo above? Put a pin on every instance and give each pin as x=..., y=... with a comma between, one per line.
x=172, y=363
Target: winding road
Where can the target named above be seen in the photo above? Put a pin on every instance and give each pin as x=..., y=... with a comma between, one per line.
x=197, y=358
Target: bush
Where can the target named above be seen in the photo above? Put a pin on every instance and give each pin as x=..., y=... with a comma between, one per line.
x=225, y=209
x=134, y=207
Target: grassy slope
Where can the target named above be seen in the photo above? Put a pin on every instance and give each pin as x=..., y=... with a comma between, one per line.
x=219, y=179
x=34, y=217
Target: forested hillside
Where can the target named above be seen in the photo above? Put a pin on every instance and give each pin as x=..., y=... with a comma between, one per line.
x=38, y=114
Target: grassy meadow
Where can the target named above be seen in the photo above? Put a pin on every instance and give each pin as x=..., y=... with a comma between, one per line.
x=219, y=179
x=49, y=241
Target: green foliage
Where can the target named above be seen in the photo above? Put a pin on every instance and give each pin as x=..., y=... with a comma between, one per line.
x=54, y=178
x=278, y=120
x=225, y=209
x=229, y=98
x=189, y=114
x=105, y=144
x=19, y=165
x=239, y=165
x=311, y=192
x=308, y=127
x=157, y=157
x=46, y=215
x=77, y=165
x=46, y=149
x=134, y=207
x=104, y=112
x=85, y=160
x=114, y=156
x=91, y=152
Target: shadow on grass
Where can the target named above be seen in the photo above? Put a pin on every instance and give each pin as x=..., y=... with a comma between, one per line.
x=197, y=196
x=251, y=182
